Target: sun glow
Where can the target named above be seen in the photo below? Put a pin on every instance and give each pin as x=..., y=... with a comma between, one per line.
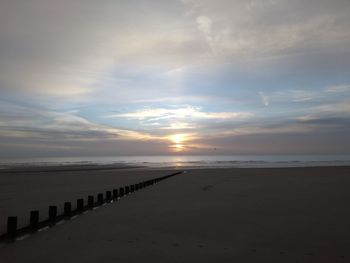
x=178, y=140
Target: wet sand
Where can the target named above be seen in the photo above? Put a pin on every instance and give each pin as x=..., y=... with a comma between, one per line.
x=209, y=215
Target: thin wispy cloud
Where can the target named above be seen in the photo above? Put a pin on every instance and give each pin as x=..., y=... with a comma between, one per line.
x=35, y=123
x=188, y=112
x=264, y=99
x=338, y=88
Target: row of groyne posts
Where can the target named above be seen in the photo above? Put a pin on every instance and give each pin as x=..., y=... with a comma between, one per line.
x=110, y=196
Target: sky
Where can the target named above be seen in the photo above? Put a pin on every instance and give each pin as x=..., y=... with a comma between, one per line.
x=151, y=77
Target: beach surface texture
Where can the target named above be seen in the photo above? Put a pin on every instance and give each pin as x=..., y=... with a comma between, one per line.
x=203, y=215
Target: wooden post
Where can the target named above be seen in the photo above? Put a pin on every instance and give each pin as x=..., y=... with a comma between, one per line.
x=108, y=196
x=100, y=198
x=90, y=200
x=34, y=218
x=115, y=194
x=12, y=226
x=52, y=213
x=121, y=191
x=80, y=204
x=67, y=208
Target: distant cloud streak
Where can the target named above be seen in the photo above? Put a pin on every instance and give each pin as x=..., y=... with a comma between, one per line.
x=181, y=112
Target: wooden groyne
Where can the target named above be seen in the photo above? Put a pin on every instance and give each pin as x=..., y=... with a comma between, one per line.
x=13, y=232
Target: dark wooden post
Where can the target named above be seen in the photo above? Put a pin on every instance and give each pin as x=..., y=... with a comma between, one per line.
x=80, y=204
x=67, y=208
x=127, y=189
x=121, y=191
x=34, y=218
x=108, y=196
x=52, y=213
x=100, y=198
x=90, y=200
x=132, y=188
x=115, y=194
x=12, y=226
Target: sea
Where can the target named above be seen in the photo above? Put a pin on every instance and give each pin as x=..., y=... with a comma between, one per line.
x=188, y=161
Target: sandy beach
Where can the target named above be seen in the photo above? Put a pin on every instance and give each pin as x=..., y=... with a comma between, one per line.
x=203, y=215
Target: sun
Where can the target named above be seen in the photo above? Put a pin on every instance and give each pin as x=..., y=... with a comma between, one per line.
x=177, y=138
x=178, y=141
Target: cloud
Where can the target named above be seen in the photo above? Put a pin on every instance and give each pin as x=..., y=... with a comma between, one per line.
x=278, y=144
x=38, y=123
x=179, y=126
x=338, y=88
x=264, y=99
x=339, y=108
x=95, y=46
x=188, y=112
x=322, y=94
x=75, y=48
x=295, y=95
x=260, y=28
x=204, y=25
